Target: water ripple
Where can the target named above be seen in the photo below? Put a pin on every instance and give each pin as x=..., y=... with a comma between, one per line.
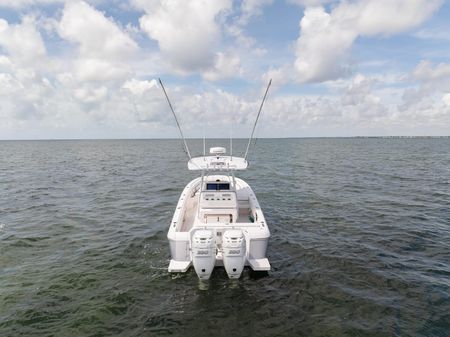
x=360, y=241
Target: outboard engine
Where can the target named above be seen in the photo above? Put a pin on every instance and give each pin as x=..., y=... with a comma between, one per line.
x=203, y=253
x=233, y=244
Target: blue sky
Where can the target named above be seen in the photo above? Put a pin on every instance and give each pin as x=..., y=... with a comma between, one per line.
x=88, y=69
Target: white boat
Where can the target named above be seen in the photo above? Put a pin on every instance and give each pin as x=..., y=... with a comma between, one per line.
x=218, y=221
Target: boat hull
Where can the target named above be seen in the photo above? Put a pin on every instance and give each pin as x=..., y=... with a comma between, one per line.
x=248, y=219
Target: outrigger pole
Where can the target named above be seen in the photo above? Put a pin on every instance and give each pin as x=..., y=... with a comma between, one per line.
x=176, y=119
x=257, y=117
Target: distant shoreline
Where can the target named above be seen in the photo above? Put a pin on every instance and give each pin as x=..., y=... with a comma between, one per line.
x=237, y=138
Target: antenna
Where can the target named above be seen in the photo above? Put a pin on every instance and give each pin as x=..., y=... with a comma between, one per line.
x=204, y=146
x=257, y=117
x=176, y=119
x=204, y=136
x=231, y=148
x=231, y=144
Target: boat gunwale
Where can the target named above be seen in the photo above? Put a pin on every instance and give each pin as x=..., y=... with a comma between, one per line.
x=187, y=193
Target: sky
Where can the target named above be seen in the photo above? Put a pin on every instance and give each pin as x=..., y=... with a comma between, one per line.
x=89, y=69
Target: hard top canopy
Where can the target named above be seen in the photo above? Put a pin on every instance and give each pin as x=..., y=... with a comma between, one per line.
x=217, y=163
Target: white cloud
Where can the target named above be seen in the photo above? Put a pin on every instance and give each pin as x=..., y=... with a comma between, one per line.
x=23, y=42
x=279, y=76
x=250, y=8
x=138, y=87
x=359, y=95
x=104, y=50
x=5, y=64
x=102, y=60
x=9, y=85
x=189, y=35
x=96, y=35
x=91, y=95
x=374, y=17
x=425, y=71
x=188, y=32
x=21, y=4
x=99, y=81
x=94, y=69
x=446, y=99
x=225, y=66
x=23, y=82
x=322, y=47
x=357, y=106
x=24, y=94
x=35, y=85
x=326, y=38
x=138, y=109
x=24, y=3
x=433, y=80
x=310, y=3
x=359, y=91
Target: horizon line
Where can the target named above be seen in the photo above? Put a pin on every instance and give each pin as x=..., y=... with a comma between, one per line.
x=199, y=138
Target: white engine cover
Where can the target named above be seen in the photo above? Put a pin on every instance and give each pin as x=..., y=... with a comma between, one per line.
x=233, y=244
x=203, y=253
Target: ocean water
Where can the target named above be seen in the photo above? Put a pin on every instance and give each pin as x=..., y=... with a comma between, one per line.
x=360, y=240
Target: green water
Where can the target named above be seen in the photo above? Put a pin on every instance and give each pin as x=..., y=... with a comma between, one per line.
x=360, y=241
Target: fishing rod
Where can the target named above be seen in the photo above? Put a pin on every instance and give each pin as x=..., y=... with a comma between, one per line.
x=176, y=119
x=257, y=117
